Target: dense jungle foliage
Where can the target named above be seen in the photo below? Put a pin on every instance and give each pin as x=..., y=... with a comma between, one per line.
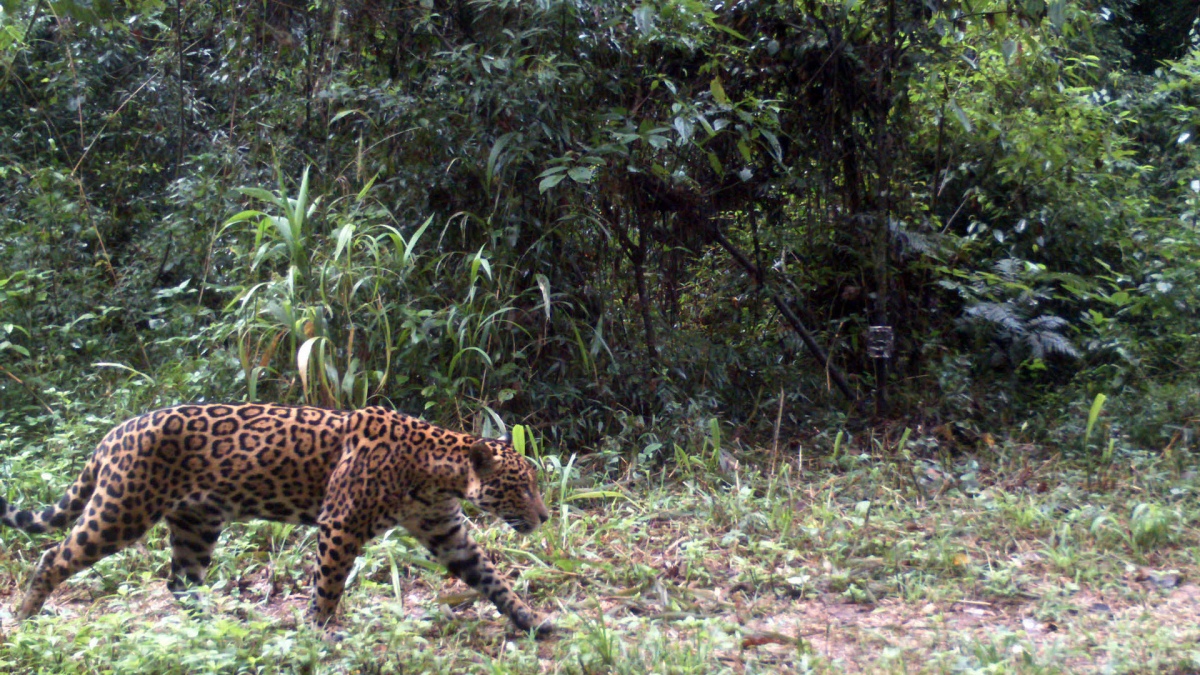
x=603, y=220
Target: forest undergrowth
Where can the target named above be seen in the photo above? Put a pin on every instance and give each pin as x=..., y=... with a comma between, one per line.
x=802, y=558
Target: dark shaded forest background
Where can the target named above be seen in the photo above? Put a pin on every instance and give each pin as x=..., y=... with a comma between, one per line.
x=612, y=222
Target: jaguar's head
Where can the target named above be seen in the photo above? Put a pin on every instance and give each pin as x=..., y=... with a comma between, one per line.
x=507, y=485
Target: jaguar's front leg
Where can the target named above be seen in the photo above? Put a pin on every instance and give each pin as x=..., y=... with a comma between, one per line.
x=449, y=540
x=337, y=549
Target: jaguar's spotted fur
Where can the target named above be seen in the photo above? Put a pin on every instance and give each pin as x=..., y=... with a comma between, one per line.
x=352, y=474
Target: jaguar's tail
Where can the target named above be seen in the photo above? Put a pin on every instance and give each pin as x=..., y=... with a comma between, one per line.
x=54, y=517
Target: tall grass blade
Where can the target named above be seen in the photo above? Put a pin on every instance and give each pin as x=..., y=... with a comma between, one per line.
x=1093, y=415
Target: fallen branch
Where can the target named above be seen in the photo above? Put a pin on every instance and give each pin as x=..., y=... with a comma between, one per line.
x=833, y=372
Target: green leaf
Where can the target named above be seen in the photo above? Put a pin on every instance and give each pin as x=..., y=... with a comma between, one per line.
x=252, y=383
x=121, y=366
x=724, y=29
x=961, y=115
x=715, y=163
x=718, y=91
x=345, y=234
x=684, y=128
x=1008, y=48
x=345, y=113
x=349, y=378
x=412, y=241
x=543, y=283
x=1093, y=415
x=259, y=194
x=518, y=439
x=283, y=226
x=301, y=211
x=773, y=143
x=494, y=156
x=597, y=494
x=569, y=565
x=303, y=355
x=366, y=188
x=582, y=174
x=16, y=348
x=644, y=18
x=549, y=182
x=454, y=361
x=744, y=149
x=1058, y=13
x=240, y=217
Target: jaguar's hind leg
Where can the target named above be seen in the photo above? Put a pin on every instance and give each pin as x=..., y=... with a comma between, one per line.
x=193, y=536
x=105, y=528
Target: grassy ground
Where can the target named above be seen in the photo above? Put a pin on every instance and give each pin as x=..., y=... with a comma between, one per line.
x=1017, y=562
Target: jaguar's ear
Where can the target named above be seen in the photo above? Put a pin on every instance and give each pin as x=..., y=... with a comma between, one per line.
x=483, y=461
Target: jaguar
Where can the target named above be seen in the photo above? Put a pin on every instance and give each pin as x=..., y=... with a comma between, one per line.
x=352, y=474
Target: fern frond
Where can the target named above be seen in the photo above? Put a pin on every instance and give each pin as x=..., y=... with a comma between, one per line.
x=1043, y=343
x=1001, y=314
x=1046, y=322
